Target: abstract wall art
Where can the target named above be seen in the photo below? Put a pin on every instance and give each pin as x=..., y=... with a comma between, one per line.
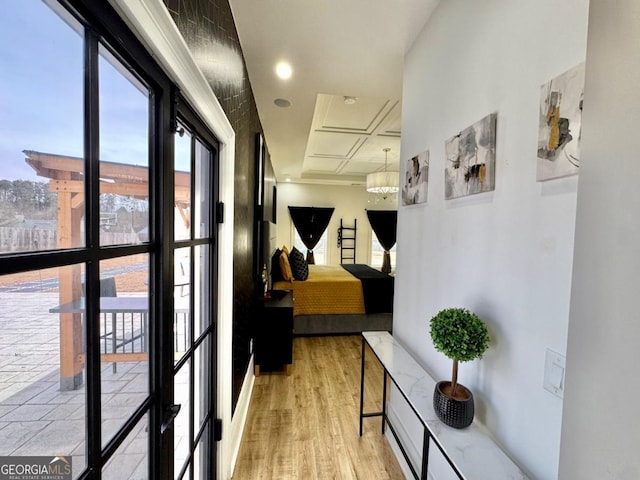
x=416, y=177
x=470, y=165
x=560, y=121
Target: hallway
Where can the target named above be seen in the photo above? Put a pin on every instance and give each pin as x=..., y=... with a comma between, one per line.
x=305, y=426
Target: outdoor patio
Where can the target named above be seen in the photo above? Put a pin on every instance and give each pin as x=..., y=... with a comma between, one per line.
x=36, y=417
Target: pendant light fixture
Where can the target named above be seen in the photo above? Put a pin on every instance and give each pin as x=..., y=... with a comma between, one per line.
x=383, y=183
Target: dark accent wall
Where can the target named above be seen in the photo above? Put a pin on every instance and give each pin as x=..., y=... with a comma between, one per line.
x=210, y=32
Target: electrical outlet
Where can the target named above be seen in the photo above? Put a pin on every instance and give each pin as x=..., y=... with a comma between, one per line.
x=554, y=367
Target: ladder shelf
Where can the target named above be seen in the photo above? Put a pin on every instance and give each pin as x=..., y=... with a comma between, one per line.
x=347, y=242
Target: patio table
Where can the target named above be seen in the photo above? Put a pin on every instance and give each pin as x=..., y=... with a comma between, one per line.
x=112, y=306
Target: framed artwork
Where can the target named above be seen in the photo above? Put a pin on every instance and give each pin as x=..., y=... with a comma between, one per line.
x=470, y=165
x=416, y=177
x=275, y=204
x=560, y=123
x=260, y=151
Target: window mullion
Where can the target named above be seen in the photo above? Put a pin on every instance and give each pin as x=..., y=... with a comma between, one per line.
x=92, y=236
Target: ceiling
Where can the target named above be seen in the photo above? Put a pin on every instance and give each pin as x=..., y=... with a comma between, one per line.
x=337, y=49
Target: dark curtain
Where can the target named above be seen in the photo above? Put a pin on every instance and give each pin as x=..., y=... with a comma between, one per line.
x=310, y=222
x=384, y=224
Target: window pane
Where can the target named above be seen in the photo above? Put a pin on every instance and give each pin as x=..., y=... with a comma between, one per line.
x=124, y=155
x=124, y=337
x=202, y=290
x=202, y=190
x=41, y=120
x=182, y=337
x=377, y=253
x=202, y=457
x=182, y=165
x=319, y=251
x=130, y=461
x=202, y=374
x=42, y=375
x=182, y=396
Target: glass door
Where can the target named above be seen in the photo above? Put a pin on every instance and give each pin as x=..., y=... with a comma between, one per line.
x=75, y=252
x=193, y=368
x=107, y=253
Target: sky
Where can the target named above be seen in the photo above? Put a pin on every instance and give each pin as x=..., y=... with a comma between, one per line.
x=41, y=95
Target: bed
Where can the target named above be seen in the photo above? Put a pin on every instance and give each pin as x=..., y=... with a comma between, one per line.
x=333, y=300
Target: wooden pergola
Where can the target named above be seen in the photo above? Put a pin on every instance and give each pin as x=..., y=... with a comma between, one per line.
x=66, y=178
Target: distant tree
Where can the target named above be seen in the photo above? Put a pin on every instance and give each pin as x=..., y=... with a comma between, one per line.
x=107, y=202
x=27, y=198
x=42, y=197
x=21, y=192
x=5, y=189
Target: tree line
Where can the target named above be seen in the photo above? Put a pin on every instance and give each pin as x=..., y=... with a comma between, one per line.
x=33, y=200
x=26, y=197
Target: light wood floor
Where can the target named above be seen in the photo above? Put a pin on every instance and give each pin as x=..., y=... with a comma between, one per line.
x=305, y=425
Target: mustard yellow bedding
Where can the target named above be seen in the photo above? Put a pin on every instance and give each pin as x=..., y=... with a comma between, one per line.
x=330, y=289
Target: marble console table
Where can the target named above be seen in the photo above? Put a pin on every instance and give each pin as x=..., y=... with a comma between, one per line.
x=471, y=452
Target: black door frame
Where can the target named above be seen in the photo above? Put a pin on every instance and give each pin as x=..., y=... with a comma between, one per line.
x=187, y=117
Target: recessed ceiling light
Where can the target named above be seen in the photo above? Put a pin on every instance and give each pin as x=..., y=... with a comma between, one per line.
x=348, y=100
x=283, y=70
x=282, y=102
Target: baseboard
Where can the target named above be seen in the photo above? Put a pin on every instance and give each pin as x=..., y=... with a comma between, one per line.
x=240, y=415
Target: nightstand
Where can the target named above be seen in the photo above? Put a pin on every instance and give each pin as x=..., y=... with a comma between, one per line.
x=273, y=340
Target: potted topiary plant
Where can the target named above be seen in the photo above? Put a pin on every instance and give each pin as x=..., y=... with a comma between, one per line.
x=461, y=336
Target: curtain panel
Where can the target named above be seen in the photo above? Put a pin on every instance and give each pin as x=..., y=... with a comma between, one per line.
x=384, y=224
x=310, y=222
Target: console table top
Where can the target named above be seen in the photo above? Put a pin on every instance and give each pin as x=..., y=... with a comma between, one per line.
x=472, y=450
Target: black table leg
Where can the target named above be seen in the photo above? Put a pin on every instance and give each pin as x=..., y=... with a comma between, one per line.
x=425, y=455
x=362, y=385
x=384, y=399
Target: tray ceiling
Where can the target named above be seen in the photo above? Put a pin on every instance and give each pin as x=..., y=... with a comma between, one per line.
x=347, y=137
x=336, y=49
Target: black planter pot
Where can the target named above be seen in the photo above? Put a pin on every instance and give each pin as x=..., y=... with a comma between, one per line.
x=453, y=412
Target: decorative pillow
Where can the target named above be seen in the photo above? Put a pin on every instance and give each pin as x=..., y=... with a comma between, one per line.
x=276, y=272
x=299, y=266
x=285, y=268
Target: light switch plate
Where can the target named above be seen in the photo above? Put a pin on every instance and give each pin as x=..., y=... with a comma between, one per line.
x=554, y=367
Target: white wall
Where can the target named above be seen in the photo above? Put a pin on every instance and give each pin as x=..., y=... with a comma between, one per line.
x=507, y=255
x=600, y=436
x=349, y=203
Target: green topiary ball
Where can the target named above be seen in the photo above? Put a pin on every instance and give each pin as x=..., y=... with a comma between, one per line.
x=459, y=334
